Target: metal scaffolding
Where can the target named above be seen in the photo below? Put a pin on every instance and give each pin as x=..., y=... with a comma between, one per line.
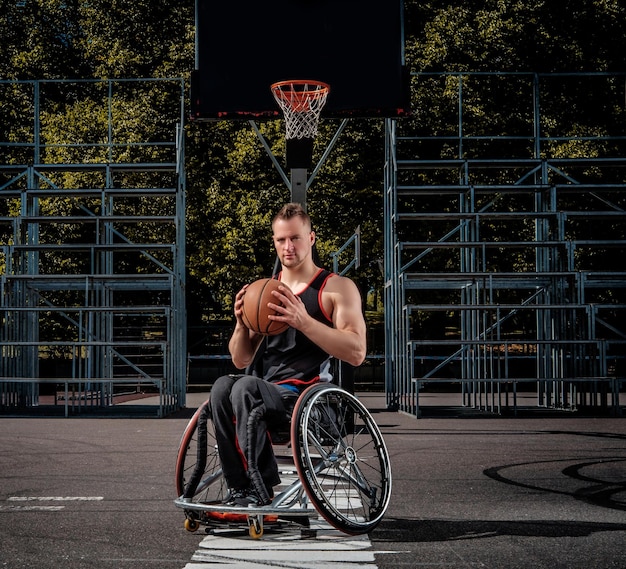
x=92, y=247
x=505, y=240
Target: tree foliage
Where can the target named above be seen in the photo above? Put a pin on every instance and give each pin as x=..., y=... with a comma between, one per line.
x=531, y=35
x=233, y=188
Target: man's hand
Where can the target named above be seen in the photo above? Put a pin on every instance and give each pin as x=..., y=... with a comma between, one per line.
x=291, y=310
x=244, y=342
x=238, y=308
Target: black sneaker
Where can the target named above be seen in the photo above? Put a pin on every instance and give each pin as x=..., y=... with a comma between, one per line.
x=235, y=495
x=245, y=498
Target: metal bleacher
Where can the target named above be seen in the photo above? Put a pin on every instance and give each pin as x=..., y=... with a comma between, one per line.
x=505, y=242
x=92, y=238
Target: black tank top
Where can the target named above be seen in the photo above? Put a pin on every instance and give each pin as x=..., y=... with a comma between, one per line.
x=290, y=358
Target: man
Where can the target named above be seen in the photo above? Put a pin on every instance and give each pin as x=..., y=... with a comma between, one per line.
x=325, y=320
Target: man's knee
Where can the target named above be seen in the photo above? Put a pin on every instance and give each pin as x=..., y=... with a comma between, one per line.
x=245, y=385
x=222, y=387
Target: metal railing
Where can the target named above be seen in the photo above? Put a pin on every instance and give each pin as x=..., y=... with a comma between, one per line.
x=92, y=245
x=504, y=231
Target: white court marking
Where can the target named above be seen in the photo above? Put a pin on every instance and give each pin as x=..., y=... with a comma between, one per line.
x=326, y=550
x=55, y=498
x=34, y=503
x=37, y=508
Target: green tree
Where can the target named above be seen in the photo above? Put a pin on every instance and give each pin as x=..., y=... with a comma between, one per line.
x=70, y=39
x=232, y=187
x=497, y=35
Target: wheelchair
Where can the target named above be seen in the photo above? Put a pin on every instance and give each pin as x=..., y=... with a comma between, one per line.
x=335, y=459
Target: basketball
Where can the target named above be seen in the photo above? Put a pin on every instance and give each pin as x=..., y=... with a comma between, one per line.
x=256, y=311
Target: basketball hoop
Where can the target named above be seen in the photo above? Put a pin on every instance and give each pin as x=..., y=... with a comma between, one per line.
x=301, y=102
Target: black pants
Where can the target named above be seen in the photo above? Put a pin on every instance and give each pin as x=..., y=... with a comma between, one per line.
x=233, y=397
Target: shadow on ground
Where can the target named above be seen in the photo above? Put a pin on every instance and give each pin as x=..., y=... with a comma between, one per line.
x=401, y=530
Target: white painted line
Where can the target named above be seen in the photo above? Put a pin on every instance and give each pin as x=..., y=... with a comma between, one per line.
x=327, y=550
x=314, y=558
x=16, y=501
x=288, y=542
x=291, y=564
x=55, y=498
x=31, y=508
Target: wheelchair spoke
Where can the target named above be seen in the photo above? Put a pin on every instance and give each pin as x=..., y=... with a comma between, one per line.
x=208, y=481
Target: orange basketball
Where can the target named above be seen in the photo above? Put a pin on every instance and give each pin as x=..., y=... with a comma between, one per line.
x=256, y=311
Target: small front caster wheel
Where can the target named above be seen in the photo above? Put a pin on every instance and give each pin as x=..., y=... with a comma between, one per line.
x=191, y=525
x=255, y=527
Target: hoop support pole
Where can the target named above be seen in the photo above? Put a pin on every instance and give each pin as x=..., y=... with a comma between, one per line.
x=272, y=156
x=327, y=151
x=299, y=186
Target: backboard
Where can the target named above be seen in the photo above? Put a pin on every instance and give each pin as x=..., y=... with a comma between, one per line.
x=356, y=46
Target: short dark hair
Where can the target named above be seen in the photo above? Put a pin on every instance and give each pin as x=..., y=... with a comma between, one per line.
x=292, y=210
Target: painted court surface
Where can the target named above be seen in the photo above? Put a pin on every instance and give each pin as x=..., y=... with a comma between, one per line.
x=469, y=491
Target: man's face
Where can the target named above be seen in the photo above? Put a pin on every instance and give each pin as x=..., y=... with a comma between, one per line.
x=293, y=240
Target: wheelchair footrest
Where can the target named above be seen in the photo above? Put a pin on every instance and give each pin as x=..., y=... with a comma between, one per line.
x=269, y=510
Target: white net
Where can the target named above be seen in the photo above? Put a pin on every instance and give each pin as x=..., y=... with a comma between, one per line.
x=301, y=103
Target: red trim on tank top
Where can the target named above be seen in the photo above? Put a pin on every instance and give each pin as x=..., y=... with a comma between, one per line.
x=319, y=294
x=319, y=298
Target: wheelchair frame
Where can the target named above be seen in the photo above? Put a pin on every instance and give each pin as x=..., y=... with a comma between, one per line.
x=338, y=461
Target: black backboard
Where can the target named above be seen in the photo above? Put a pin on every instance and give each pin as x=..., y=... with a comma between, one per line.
x=242, y=47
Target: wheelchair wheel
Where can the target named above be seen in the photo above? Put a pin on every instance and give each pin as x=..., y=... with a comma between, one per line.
x=198, y=470
x=341, y=458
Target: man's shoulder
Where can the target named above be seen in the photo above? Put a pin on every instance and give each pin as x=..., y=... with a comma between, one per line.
x=338, y=283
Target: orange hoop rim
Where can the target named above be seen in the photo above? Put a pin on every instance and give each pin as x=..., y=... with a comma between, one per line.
x=287, y=90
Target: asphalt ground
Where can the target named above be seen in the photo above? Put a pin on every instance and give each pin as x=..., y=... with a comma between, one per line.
x=469, y=491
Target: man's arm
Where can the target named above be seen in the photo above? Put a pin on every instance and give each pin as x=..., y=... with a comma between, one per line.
x=346, y=340
x=243, y=343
